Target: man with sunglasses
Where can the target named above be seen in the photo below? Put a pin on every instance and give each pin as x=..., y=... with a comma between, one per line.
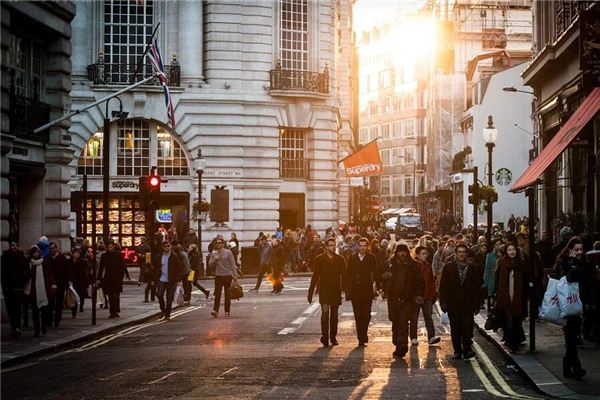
x=168, y=271
x=223, y=263
x=330, y=274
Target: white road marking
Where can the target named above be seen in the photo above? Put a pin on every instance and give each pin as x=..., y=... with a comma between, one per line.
x=313, y=307
x=19, y=367
x=163, y=378
x=222, y=376
x=472, y=390
x=285, y=331
x=115, y=375
x=299, y=321
x=351, y=314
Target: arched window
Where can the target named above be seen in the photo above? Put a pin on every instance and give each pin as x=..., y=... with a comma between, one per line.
x=139, y=144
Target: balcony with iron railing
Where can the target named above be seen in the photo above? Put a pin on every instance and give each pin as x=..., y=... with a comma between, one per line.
x=27, y=113
x=566, y=12
x=288, y=82
x=294, y=168
x=102, y=73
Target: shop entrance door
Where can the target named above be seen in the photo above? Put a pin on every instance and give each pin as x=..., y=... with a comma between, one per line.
x=291, y=210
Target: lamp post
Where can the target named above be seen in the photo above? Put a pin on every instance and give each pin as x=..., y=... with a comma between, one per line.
x=200, y=164
x=105, y=187
x=490, y=134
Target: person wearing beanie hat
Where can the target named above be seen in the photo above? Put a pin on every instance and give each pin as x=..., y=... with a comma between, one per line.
x=405, y=289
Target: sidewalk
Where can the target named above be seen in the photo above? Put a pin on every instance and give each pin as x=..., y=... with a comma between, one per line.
x=133, y=310
x=544, y=367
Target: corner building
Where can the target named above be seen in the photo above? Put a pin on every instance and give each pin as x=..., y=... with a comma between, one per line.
x=252, y=88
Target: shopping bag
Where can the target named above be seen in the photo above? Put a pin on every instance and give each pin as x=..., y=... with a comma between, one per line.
x=445, y=319
x=69, y=301
x=568, y=298
x=236, y=291
x=191, y=276
x=76, y=298
x=100, y=297
x=550, y=310
x=178, y=298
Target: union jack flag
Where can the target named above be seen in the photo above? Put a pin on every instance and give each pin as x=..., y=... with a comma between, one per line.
x=159, y=67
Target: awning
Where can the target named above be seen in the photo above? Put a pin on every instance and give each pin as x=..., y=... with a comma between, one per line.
x=389, y=211
x=586, y=111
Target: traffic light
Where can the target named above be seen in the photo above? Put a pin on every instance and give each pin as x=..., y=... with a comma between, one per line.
x=149, y=190
x=474, y=194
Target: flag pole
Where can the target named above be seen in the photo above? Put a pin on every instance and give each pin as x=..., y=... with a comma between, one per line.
x=110, y=96
x=141, y=60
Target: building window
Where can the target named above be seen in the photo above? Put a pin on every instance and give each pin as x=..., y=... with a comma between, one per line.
x=90, y=162
x=372, y=108
x=171, y=158
x=397, y=130
x=363, y=135
x=385, y=157
x=408, y=185
x=409, y=154
x=293, y=42
x=127, y=27
x=385, y=131
x=25, y=59
x=373, y=132
x=292, y=145
x=384, y=190
x=133, y=147
x=408, y=126
x=397, y=185
x=385, y=79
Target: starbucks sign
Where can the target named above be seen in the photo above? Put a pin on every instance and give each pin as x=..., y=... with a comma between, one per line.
x=503, y=176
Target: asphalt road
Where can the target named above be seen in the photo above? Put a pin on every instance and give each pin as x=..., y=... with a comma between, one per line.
x=267, y=349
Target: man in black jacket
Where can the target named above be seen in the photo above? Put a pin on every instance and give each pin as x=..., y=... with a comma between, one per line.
x=330, y=273
x=460, y=296
x=14, y=275
x=59, y=265
x=168, y=271
x=405, y=289
x=362, y=274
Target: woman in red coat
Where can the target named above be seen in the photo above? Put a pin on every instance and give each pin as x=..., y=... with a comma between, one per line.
x=511, y=295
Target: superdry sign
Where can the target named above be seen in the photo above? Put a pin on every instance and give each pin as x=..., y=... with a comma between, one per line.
x=365, y=162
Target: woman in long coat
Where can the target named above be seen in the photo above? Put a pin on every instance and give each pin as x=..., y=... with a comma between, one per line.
x=511, y=295
x=110, y=276
x=40, y=287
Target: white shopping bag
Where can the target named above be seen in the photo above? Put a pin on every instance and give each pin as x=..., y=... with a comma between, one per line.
x=75, y=296
x=550, y=310
x=568, y=298
x=445, y=319
x=178, y=298
x=100, y=297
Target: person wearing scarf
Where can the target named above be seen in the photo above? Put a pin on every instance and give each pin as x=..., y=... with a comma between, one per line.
x=511, y=295
x=39, y=288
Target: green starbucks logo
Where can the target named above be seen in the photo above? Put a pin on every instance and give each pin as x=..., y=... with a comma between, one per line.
x=503, y=176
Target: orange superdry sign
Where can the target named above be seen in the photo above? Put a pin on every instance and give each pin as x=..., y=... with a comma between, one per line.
x=365, y=162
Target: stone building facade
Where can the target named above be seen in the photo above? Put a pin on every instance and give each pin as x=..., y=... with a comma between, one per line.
x=36, y=81
x=253, y=88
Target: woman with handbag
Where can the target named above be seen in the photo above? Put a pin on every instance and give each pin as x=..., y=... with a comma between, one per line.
x=571, y=263
x=511, y=296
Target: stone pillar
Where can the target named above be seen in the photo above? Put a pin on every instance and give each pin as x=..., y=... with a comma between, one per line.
x=5, y=139
x=190, y=43
x=82, y=39
x=58, y=153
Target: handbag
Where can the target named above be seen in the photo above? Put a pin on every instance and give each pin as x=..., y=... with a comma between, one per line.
x=490, y=323
x=69, y=301
x=100, y=297
x=568, y=298
x=236, y=291
x=191, y=276
x=179, y=295
x=550, y=310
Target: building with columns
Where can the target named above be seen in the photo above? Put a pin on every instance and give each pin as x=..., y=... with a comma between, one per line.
x=36, y=81
x=253, y=88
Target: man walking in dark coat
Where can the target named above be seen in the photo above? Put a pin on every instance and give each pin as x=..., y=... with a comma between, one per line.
x=14, y=275
x=460, y=296
x=168, y=270
x=405, y=290
x=110, y=276
x=362, y=274
x=330, y=273
x=59, y=265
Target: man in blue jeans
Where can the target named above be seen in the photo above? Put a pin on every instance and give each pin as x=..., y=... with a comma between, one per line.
x=168, y=269
x=221, y=259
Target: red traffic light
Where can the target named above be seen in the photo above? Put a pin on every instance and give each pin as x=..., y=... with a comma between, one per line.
x=154, y=181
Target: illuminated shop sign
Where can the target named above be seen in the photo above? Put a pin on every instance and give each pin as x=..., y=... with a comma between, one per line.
x=164, y=216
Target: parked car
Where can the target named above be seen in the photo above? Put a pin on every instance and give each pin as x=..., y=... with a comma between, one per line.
x=390, y=224
x=408, y=226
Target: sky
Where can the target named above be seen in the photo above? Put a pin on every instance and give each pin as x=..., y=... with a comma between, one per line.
x=368, y=13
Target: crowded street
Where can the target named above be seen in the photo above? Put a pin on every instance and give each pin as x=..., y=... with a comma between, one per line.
x=268, y=348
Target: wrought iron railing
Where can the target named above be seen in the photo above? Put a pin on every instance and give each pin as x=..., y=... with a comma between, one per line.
x=121, y=74
x=288, y=79
x=566, y=12
x=26, y=115
x=295, y=168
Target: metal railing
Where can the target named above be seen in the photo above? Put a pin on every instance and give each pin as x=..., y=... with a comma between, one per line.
x=121, y=74
x=295, y=168
x=26, y=115
x=565, y=13
x=288, y=79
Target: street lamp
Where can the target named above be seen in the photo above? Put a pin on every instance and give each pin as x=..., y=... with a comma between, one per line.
x=490, y=134
x=200, y=165
x=514, y=90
